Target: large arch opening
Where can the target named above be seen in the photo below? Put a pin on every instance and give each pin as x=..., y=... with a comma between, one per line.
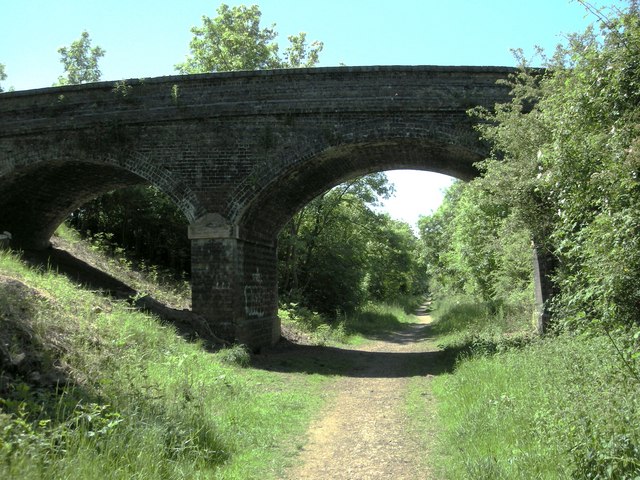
x=299, y=182
x=296, y=183
x=343, y=250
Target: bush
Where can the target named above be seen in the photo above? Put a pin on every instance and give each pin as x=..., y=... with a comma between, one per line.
x=235, y=355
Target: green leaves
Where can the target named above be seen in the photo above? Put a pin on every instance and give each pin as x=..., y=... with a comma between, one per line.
x=566, y=168
x=299, y=54
x=234, y=40
x=3, y=75
x=231, y=41
x=80, y=61
x=474, y=245
x=337, y=252
x=141, y=220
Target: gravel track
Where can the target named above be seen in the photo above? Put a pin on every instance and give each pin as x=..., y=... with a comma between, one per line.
x=365, y=432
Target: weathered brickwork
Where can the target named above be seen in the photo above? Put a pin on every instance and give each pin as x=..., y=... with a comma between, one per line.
x=238, y=153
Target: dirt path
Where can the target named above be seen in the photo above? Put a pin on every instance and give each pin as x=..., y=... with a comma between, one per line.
x=365, y=433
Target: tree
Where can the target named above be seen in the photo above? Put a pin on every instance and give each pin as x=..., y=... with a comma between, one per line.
x=474, y=246
x=299, y=54
x=3, y=75
x=323, y=249
x=234, y=40
x=435, y=235
x=80, y=61
x=338, y=252
x=393, y=265
x=142, y=221
x=571, y=167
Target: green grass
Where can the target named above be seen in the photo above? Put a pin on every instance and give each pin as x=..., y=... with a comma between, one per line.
x=371, y=321
x=553, y=408
x=468, y=326
x=134, y=400
x=144, y=278
x=376, y=319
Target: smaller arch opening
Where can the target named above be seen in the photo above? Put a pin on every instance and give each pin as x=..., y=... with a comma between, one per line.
x=35, y=200
x=140, y=222
x=121, y=209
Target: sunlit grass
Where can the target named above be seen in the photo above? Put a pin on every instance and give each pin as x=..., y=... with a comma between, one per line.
x=465, y=324
x=136, y=400
x=372, y=320
x=553, y=408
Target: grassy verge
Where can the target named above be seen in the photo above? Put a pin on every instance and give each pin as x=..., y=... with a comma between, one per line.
x=465, y=326
x=371, y=321
x=559, y=407
x=90, y=387
x=144, y=278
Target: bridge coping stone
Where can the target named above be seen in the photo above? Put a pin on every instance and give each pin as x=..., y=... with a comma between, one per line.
x=265, y=73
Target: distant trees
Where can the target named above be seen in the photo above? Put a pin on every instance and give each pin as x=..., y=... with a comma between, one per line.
x=337, y=252
x=472, y=246
x=80, y=61
x=3, y=75
x=564, y=174
x=394, y=264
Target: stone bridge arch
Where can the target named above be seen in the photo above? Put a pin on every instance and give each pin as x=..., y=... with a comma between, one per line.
x=238, y=153
x=38, y=192
x=264, y=202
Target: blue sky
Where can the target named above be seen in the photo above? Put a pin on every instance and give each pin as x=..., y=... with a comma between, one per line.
x=146, y=38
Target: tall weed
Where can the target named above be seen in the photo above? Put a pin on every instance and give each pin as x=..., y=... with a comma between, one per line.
x=369, y=321
x=473, y=327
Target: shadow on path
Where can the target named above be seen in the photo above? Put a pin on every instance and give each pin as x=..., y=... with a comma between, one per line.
x=187, y=323
x=290, y=357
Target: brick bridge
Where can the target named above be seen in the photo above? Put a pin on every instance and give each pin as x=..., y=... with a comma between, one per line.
x=239, y=153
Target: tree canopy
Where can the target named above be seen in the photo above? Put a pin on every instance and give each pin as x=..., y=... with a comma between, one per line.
x=580, y=169
x=338, y=252
x=564, y=174
x=3, y=75
x=472, y=246
x=80, y=61
x=234, y=40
